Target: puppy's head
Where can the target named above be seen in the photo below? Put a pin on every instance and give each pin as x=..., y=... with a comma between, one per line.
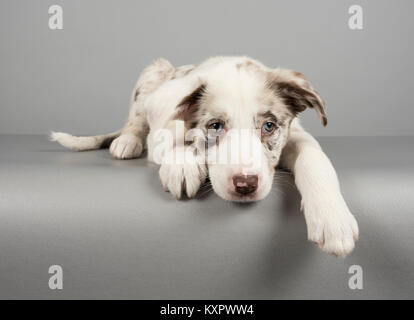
x=244, y=111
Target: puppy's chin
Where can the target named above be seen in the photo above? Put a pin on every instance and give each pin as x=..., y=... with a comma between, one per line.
x=229, y=195
x=246, y=198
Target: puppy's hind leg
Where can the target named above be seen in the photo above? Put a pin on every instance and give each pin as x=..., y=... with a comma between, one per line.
x=131, y=142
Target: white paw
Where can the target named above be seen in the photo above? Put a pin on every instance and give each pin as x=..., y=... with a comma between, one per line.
x=180, y=178
x=332, y=226
x=126, y=146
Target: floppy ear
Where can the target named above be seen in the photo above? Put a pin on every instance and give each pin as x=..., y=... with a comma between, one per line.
x=189, y=104
x=297, y=92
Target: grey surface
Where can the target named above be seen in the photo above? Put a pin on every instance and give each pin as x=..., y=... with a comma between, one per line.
x=109, y=224
x=117, y=234
x=79, y=79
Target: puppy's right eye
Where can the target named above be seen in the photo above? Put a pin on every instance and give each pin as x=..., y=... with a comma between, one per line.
x=216, y=125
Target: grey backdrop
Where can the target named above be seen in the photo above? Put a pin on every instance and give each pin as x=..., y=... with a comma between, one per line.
x=110, y=225
x=62, y=79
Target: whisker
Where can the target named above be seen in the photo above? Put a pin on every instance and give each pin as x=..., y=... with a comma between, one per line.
x=204, y=189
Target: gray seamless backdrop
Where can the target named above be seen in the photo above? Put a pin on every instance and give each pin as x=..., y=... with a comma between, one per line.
x=79, y=79
x=110, y=225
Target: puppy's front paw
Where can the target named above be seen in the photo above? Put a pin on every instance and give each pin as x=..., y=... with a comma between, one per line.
x=332, y=226
x=126, y=146
x=180, y=178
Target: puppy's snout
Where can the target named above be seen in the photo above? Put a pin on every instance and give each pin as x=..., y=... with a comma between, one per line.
x=245, y=184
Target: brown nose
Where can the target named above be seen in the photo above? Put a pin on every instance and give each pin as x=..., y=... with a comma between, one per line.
x=245, y=184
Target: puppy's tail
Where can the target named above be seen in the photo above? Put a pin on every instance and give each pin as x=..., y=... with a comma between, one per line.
x=84, y=143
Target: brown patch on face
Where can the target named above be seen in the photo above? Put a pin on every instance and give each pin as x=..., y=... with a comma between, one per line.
x=269, y=145
x=189, y=105
x=262, y=118
x=268, y=115
x=274, y=141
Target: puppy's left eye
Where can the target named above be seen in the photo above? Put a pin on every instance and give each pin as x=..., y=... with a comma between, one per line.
x=217, y=126
x=268, y=127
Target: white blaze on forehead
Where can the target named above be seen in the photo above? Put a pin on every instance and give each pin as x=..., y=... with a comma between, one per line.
x=234, y=91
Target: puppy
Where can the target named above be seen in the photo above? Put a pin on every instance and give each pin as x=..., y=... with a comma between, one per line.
x=232, y=107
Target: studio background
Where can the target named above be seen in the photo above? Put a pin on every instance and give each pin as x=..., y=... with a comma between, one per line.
x=79, y=79
x=109, y=224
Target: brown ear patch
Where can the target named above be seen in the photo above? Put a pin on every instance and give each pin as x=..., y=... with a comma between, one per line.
x=298, y=98
x=189, y=105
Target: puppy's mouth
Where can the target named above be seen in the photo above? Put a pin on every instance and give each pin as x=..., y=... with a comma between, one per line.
x=251, y=197
x=257, y=195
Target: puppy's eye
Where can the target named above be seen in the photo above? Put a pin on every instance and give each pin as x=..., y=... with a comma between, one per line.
x=216, y=125
x=268, y=127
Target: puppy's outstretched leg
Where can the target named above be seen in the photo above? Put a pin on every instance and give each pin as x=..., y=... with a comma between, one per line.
x=330, y=223
x=132, y=139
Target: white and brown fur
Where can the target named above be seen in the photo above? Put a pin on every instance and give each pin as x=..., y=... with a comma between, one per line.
x=243, y=94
